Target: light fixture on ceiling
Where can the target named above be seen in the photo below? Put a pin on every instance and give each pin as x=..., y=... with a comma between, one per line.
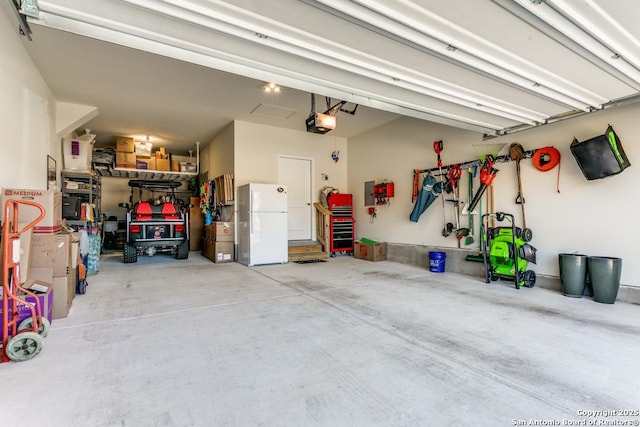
x=271, y=88
x=327, y=121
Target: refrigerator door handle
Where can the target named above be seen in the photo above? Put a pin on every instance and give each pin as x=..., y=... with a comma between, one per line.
x=250, y=212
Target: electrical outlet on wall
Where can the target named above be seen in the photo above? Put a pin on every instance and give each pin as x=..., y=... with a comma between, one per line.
x=324, y=177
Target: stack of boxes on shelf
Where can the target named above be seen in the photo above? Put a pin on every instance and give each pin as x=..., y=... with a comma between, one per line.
x=125, y=153
x=131, y=154
x=144, y=158
x=163, y=163
x=218, y=242
x=48, y=255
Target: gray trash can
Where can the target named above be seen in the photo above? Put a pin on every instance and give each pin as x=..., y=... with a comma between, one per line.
x=573, y=274
x=605, y=273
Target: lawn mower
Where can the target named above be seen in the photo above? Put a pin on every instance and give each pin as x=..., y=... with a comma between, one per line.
x=506, y=252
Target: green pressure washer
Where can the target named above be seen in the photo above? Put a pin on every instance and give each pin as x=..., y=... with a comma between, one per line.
x=506, y=252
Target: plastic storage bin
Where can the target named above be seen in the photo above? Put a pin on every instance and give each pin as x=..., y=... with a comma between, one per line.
x=77, y=153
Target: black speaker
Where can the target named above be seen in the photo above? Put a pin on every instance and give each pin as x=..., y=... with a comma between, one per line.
x=601, y=156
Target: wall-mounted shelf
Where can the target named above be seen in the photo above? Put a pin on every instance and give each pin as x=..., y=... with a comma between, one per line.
x=143, y=174
x=109, y=170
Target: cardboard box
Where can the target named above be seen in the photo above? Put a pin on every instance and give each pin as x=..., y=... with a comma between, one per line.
x=163, y=165
x=143, y=149
x=44, y=294
x=221, y=252
x=64, y=290
x=188, y=167
x=50, y=200
x=125, y=160
x=175, y=165
x=148, y=163
x=370, y=251
x=196, y=223
x=52, y=250
x=44, y=274
x=209, y=251
x=125, y=145
x=220, y=231
x=204, y=246
x=161, y=154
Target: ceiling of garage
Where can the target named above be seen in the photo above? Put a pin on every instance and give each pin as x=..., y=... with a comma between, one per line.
x=493, y=66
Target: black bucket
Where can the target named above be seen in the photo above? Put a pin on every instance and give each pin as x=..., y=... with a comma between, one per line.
x=605, y=273
x=573, y=274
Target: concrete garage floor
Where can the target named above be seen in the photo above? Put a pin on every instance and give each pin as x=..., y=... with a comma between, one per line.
x=342, y=343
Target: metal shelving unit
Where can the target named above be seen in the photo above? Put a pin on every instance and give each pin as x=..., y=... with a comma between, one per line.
x=84, y=186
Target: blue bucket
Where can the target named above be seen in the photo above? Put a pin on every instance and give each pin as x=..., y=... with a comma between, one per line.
x=436, y=261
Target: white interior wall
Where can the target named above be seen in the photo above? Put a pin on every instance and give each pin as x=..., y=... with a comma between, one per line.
x=217, y=158
x=220, y=155
x=257, y=148
x=392, y=152
x=591, y=217
x=27, y=115
x=114, y=191
x=70, y=117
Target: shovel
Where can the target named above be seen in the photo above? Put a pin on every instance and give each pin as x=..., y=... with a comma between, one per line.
x=516, y=153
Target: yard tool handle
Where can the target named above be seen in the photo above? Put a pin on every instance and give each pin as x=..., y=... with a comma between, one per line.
x=455, y=172
x=487, y=174
x=438, y=146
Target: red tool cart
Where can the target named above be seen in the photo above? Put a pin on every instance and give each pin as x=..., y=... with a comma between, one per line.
x=342, y=225
x=22, y=339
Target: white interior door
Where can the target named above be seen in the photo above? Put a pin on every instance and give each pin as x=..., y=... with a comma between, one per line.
x=295, y=173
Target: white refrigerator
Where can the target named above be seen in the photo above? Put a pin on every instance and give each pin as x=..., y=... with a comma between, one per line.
x=262, y=224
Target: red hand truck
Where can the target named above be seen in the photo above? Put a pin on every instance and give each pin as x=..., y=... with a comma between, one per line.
x=22, y=341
